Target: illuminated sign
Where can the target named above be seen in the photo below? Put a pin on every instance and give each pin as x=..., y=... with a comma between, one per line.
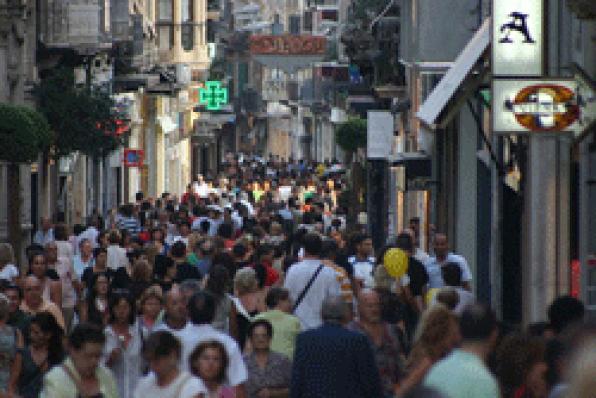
x=518, y=39
x=287, y=45
x=133, y=157
x=213, y=95
x=534, y=105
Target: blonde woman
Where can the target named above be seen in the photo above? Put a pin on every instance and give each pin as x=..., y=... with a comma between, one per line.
x=247, y=303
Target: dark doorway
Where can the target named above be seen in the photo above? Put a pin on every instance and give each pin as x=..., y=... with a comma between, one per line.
x=511, y=255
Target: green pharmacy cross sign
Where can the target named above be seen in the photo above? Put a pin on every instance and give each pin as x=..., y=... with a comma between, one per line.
x=214, y=95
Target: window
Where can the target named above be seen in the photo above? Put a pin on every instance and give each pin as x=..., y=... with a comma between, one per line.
x=166, y=37
x=165, y=10
x=187, y=36
x=187, y=10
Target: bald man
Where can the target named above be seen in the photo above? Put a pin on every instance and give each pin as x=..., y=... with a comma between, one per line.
x=175, y=319
x=384, y=338
x=33, y=302
x=443, y=256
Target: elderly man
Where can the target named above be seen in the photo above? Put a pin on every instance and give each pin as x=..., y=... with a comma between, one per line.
x=384, y=339
x=45, y=234
x=34, y=303
x=332, y=361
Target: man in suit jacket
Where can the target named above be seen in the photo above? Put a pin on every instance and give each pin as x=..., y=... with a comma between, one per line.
x=333, y=362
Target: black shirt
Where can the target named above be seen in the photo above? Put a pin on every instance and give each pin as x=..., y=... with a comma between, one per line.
x=186, y=271
x=418, y=276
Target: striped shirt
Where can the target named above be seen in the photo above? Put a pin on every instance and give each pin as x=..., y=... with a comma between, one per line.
x=130, y=224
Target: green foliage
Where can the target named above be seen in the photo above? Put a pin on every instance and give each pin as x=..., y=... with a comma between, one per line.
x=24, y=133
x=82, y=119
x=351, y=135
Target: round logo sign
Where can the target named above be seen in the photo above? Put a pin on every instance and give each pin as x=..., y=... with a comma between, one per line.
x=545, y=107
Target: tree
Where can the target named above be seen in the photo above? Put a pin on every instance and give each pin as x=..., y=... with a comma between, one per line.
x=351, y=135
x=83, y=119
x=24, y=133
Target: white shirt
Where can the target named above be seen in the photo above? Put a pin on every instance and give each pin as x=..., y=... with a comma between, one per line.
x=183, y=386
x=364, y=270
x=325, y=285
x=9, y=272
x=91, y=234
x=127, y=369
x=192, y=335
x=116, y=257
x=433, y=269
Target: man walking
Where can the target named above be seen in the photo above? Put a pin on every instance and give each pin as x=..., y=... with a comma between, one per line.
x=332, y=361
x=310, y=282
x=464, y=374
x=443, y=256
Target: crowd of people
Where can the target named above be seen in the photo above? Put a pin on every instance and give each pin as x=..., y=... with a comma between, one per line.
x=252, y=285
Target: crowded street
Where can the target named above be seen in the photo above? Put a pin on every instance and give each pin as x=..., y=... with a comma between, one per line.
x=297, y=199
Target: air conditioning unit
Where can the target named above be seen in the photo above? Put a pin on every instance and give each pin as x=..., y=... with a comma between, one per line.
x=183, y=74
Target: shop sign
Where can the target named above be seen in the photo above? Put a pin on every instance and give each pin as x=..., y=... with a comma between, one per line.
x=287, y=45
x=517, y=38
x=380, y=137
x=534, y=106
x=133, y=157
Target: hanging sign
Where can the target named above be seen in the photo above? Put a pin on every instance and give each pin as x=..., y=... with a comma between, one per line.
x=518, y=38
x=541, y=105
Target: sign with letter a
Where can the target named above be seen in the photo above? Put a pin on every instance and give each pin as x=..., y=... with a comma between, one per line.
x=517, y=38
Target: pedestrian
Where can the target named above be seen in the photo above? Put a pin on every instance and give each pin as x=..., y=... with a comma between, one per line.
x=175, y=320
x=332, y=361
x=269, y=372
x=201, y=309
x=209, y=362
x=100, y=258
x=218, y=284
x=122, y=351
x=565, y=311
x=436, y=335
x=46, y=232
x=66, y=273
x=16, y=317
x=521, y=366
x=384, y=339
x=34, y=303
x=363, y=262
x=44, y=351
x=49, y=279
x=285, y=325
x=247, y=303
x=464, y=372
x=8, y=271
x=81, y=374
x=443, y=256
x=94, y=308
x=11, y=343
x=310, y=282
x=451, y=274
x=166, y=379
x=116, y=254
x=84, y=259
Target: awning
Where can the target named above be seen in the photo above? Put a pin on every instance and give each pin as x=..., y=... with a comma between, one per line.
x=438, y=99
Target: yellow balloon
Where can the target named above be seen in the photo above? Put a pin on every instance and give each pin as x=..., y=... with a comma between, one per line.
x=396, y=262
